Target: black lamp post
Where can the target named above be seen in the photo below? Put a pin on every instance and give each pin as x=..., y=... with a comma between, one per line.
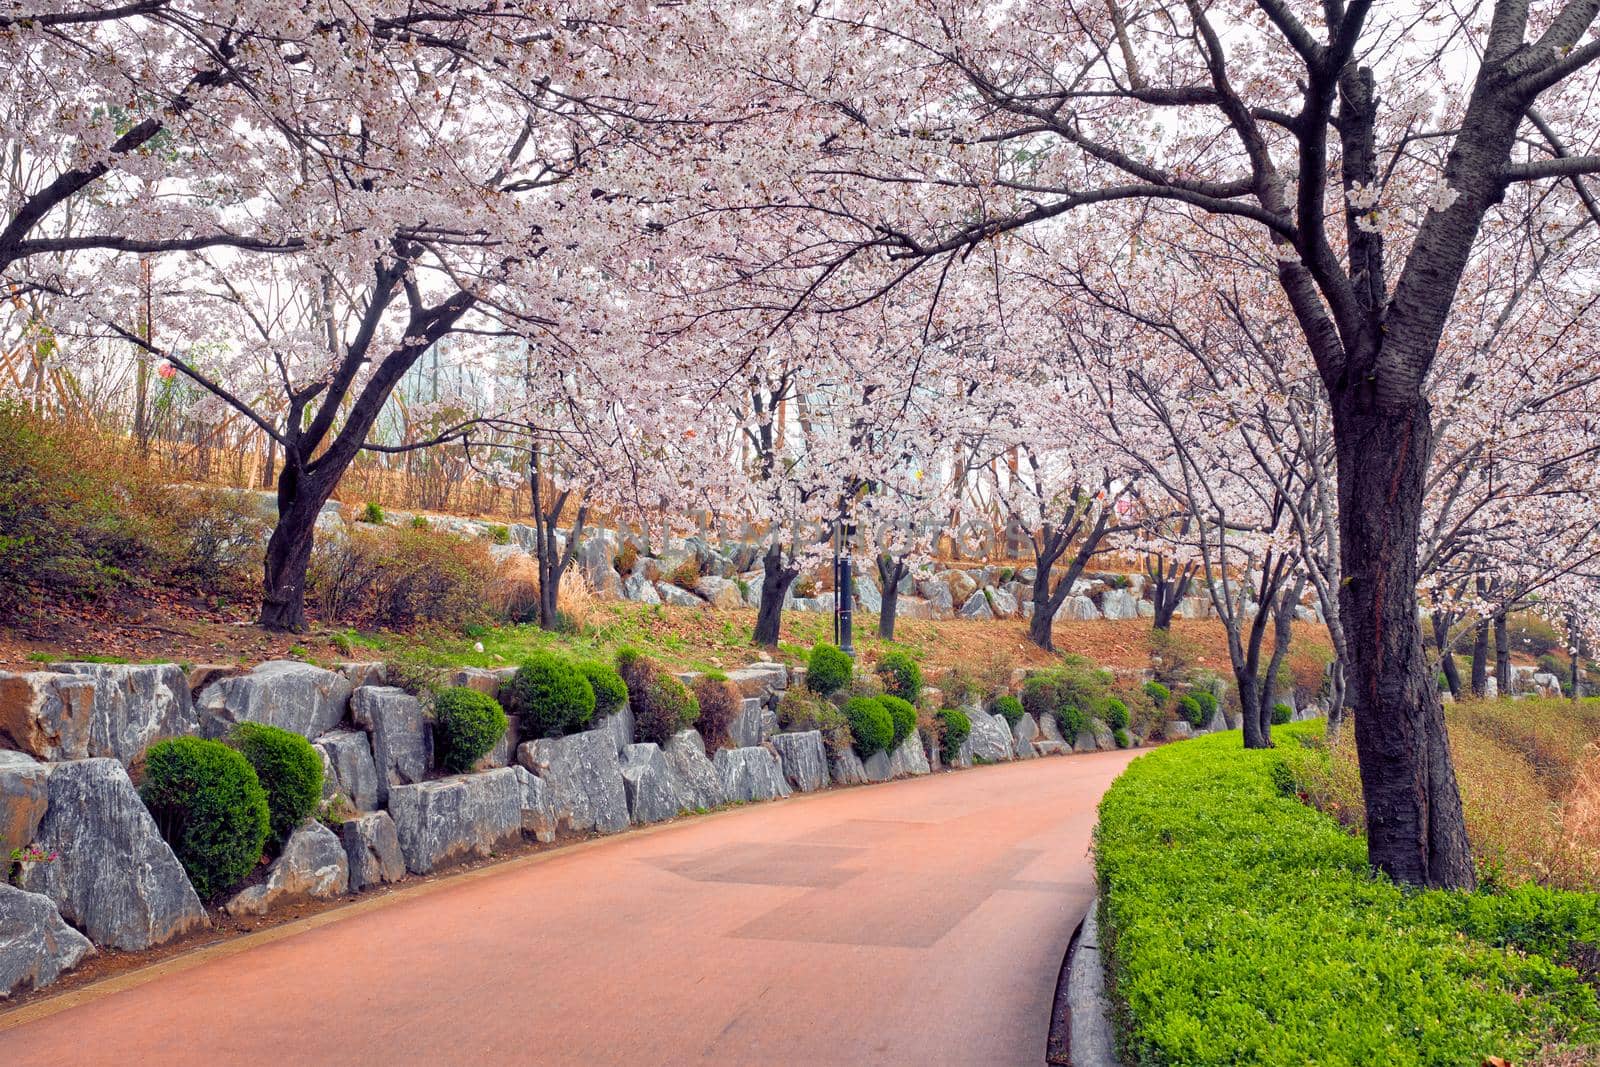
x=843, y=584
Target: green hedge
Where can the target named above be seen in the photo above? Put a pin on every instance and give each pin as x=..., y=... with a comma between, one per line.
x=902, y=715
x=901, y=675
x=957, y=728
x=290, y=771
x=828, y=670
x=210, y=807
x=1243, y=927
x=871, y=728
x=551, y=694
x=466, y=726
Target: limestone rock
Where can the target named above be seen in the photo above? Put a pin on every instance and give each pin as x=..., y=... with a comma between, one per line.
x=290, y=695
x=941, y=605
x=35, y=945
x=481, y=679
x=867, y=594
x=877, y=767
x=698, y=777
x=402, y=741
x=976, y=607
x=1024, y=732
x=671, y=594
x=1049, y=728
x=909, y=758
x=654, y=793
x=312, y=866
x=1176, y=730
x=23, y=795
x=46, y=714
x=583, y=780
x=1218, y=721
x=135, y=705
x=348, y=768
x=1052, y=748
x=452, y=819
x=115, y=878
x=751, y=773
x=990, y=739
x=760, y=680
x=1119, y=604
x=1078, y=608
x=755, y=723
x=1104, y=740
x=962, y=585
x=847, y=769
x=720, y=592
x=357, y=674
x=372, y=850
x=504, y=751
x=621, y=724
x=538, y=816
x=639, y=588
x=1002, y=603
x=804, y=758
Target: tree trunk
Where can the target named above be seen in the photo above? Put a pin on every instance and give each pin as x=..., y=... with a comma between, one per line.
x=1250, y=707
x=283, y=587
x=1447, y=659
x=1416, y=832
x=1167, y=590
x=1502, y=654
x=775, y=582
x=1044, y=613
x=889, y=576
x=1480, y=659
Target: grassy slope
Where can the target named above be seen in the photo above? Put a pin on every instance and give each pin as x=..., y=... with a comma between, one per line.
x=1247, y=929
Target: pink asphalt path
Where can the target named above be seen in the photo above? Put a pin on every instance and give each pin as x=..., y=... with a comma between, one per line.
x=918, y=922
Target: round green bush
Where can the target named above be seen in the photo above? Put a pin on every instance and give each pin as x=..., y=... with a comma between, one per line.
x=1190, y=710
x=1008, y=707
x=901, y=675
x=1158, y=693
x=828, y=670
x=610, y=691
x=210, y=807
x=1120, y=736
x=551, y=694
x=663, y=705
x=902, y=714
x=466, y=725
x=1281, y=713
x=1207, y=701
x=1116, y=714
x=1073, y=721
x=957, y=727
x=1040, y=695
x=288, y=768
x=871, y=728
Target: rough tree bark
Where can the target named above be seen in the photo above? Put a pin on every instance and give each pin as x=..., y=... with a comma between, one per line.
x=1447, y=660
x=777, y=575
x=891, y=570
x=551, y=557
x=1049, y=545
x=1168, y=587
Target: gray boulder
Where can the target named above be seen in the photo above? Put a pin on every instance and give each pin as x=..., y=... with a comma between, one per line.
x=1176, y=730
x=654, y=792
x=936, y=593
x=990, y=739
x=682, y=598
x=962, y=585
x=848, y=769
x=638, y=588
x=719, y=592
x=1119, y=604
x=909, y=758
x=1002, y=603
x=1049, y=729
x=538, y=816
x=36, y=946
x=1218, y=721
x=755, y=723
x=453, y=819
x=348, y=769
x=976, y=607
x=582, y=778
x=290, y=695
x=46, y=714
x=867, y=594
x=621, y=724
x=804, y=759
x=760, y=680
x=357, y=674
x=115, y=878
x=1052, y=748
x=1078, y=608
x=402, y=741
x=372, y=850
x=23, y=796
x=312, y=866
x=1104, y=740
x=1024, y=732
x=697, y=776
x=135, y=705
x=751, y=773
x=878, y=767
x=481, y=679
x=504, y=752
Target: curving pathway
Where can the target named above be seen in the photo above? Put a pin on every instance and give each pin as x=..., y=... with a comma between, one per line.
x=919, y=922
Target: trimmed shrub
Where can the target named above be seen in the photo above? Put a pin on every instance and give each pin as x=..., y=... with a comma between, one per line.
x=1190, y=711
x=1281, y=713
x=1116, y=715
x=1207, y=701
x=610, y=691
x=1008, y=707
x=1072, y=721
x=662, y=705
x=1120, y=736
x=902, y=676
x=289, y=770
x=903, y=714
x=466, y=725
x=1158, y=693
x=210, y=807
x=871, y=728
x=720, y=704
x=1190, y=830
x=828, y=670
x=551, y=694
x=955, y=728
x=1039, y=695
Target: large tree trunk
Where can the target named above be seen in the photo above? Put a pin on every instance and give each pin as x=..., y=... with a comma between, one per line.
x=775, y=582
x=890, y=572
x=283, y=587
x=1480, y=659
x=1167, y=589
x=1415, y=829
x=1502, y=654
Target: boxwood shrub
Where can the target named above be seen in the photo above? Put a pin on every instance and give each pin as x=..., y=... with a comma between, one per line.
x=289, y=770
x=1158, y=693
x=466, y=725
x=1190, y=711
x=1243, y=927
x=902, y=676
x=210, y=807
x=1116, y=714
x=957, y=727
x=1207, y=701
x=551, y=694
x=610, y=691
x=828, y=670
x=871, y=728
x=902, y=714
x=1281, y=713
x=1008, y=707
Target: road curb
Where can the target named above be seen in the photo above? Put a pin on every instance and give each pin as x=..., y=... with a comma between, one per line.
x=1081, y=1034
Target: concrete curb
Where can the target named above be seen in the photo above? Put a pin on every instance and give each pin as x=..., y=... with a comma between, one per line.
x=1081, y=1034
